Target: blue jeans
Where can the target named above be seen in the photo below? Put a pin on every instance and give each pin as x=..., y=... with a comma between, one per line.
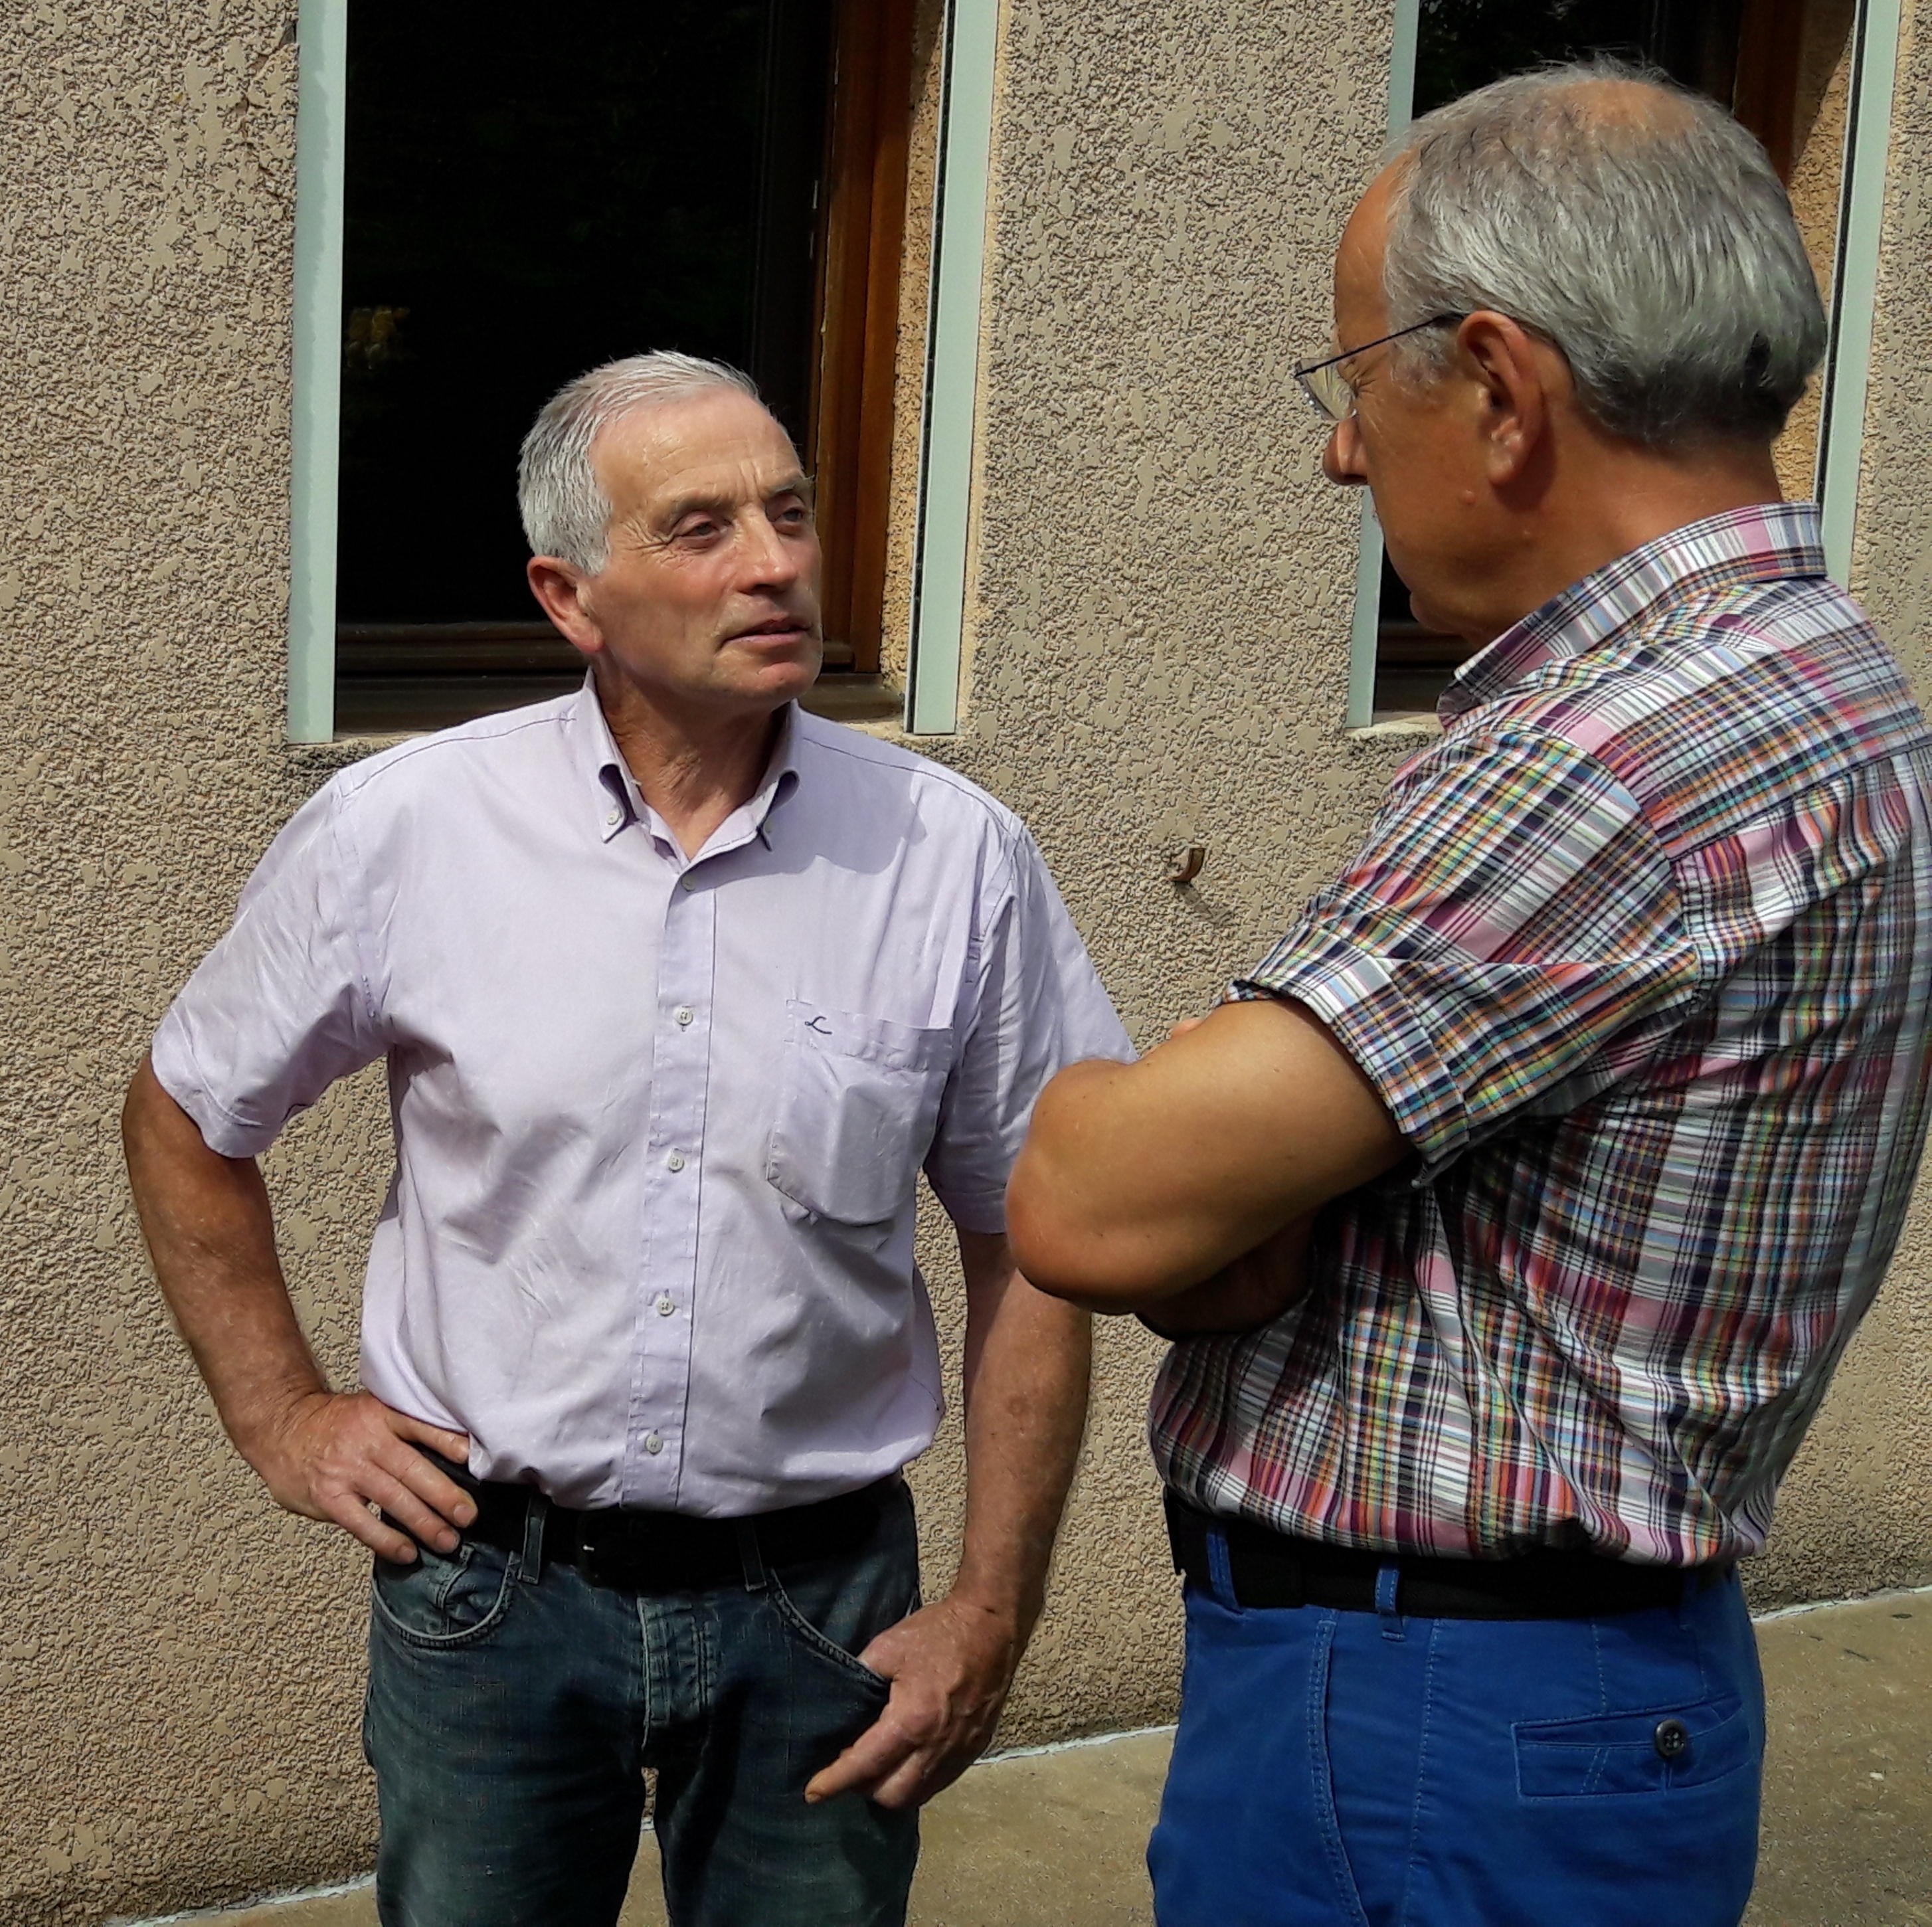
x=513, y=1709
x=1355, y=1770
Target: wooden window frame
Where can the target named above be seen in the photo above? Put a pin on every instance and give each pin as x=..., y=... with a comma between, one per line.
x=854, y=376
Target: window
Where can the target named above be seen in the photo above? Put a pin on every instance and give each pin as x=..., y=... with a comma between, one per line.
x=1781, y=66
x=725, y=178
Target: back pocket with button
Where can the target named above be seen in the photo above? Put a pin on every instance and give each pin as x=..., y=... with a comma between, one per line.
x=1634, y=1753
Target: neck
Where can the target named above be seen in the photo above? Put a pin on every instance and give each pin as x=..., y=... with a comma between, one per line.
x=693, y=765
x=1613, y=497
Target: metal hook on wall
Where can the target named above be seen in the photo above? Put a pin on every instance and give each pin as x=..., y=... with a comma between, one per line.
x=1190, y=865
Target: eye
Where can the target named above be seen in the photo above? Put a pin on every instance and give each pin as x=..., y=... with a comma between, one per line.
x=697, y=528
x=791, y=513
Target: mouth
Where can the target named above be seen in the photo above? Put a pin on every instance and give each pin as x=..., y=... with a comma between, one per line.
x=778, y=629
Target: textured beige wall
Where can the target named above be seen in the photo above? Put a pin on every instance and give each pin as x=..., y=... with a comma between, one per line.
x=1159, y=624
x=1857, y=1510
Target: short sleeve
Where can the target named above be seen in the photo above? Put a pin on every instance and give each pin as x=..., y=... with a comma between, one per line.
x=280, y=1007
x=1509, y=938
x=1035, y=1005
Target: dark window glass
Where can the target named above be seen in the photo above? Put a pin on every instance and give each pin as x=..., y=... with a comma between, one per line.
x=531, y=191
x=1461, y=45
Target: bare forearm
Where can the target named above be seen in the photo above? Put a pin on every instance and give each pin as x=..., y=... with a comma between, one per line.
x=211, y=1232
x=1026, y=1411
x=1139, y=1182
x=323, y=1454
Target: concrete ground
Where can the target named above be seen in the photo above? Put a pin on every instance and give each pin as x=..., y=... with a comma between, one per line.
x=1055, y=1839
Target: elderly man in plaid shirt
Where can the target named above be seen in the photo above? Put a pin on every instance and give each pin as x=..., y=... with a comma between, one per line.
x=1510, y=1218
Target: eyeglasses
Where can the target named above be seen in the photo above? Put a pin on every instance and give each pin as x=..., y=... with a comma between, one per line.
x=1323, y=383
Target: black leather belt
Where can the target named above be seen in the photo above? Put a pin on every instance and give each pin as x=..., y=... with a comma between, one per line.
x=1270, y=1568
x=670, y=1552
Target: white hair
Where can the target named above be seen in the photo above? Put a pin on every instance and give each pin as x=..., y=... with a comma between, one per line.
x=1658, y=249
x=565, y=509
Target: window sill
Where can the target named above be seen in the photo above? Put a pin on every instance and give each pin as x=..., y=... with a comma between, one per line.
x=1418, y=723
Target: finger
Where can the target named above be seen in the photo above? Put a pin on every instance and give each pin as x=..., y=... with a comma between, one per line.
x=454, y=1446
x=407, y=1510
x=433, y=1488
x=359, y=1522
x=874, y=1753
x=916, y=1782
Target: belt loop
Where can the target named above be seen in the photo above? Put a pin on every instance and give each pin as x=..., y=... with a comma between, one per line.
x=1221, y=1569
x=1387, y=1579
x=530, y=1568
x=749, y=1555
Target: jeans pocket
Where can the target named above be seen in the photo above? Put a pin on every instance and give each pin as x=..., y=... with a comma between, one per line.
x=836, y=1607
x=820, y=1643
x=1634, y=1753
x=445, y=1601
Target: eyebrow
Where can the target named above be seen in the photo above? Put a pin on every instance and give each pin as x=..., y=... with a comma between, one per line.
x=797, y=483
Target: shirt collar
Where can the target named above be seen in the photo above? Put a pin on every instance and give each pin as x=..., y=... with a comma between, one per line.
x=618, y=803
x=1773, y=541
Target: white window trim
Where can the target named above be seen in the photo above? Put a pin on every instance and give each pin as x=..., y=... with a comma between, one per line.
x=1367, y=614
x=948, y=454
x=316, y=409
x=1841, y=418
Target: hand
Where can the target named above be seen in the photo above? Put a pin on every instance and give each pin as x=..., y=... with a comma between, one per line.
x=951, y=1665
x=331, y=1455
x=1255, y=1290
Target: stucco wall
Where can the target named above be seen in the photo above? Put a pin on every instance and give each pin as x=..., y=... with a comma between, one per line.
x=1857, y=1511
x=1159, y=618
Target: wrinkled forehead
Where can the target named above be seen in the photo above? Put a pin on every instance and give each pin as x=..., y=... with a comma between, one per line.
x=721, y=446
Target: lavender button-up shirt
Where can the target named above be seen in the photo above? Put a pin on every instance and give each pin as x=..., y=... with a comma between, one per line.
x=658, y=1121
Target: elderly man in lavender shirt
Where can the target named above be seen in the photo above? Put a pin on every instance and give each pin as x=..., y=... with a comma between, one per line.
x=678, y=988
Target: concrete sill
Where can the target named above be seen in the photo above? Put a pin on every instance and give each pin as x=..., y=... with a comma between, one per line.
x=1417, y=723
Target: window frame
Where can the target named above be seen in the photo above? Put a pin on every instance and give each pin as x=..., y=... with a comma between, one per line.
x=1845, y=370
x=863, y=231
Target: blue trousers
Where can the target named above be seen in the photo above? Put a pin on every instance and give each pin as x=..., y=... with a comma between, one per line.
x=513, y=1709
x=1365, y=1769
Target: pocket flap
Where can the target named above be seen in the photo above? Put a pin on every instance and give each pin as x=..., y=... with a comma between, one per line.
x=1621, y=1753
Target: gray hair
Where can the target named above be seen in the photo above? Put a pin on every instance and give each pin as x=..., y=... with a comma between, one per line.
x=565, y=509
x=1656, y=249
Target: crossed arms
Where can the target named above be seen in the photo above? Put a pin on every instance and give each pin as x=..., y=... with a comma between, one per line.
x=1182, y=1188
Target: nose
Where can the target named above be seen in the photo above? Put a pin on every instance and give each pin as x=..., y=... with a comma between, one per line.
x=1342, y=459
x=771, y=560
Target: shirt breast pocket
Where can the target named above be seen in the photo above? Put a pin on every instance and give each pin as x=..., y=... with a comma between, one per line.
x=858, y=1101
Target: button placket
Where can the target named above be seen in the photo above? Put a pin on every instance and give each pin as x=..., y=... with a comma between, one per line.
x=668, y=1259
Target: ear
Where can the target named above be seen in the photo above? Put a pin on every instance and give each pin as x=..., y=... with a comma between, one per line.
x=558, y=587
x=1513, y=374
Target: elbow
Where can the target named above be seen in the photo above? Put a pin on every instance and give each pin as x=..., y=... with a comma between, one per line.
x=1059, y=1253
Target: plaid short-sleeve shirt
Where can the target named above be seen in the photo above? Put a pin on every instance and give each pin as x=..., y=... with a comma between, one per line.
x=1639, y=955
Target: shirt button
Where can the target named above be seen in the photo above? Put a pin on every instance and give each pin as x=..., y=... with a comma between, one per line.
x=686, y=882
x=653, y=1443
x=675, y=1161
x=615, y=817
x=684, y=1013
x=1672, y=1739
x=665, y=1306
